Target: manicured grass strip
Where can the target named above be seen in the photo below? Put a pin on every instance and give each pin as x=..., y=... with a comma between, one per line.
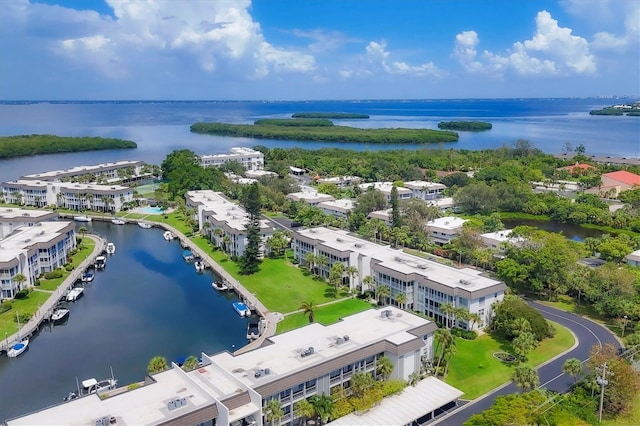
x=28, y=305
x=87, y=248
x=279, y=285
x=325, y=315
x=475, y=371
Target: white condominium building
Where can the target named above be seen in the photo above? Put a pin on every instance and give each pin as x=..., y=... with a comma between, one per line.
x=338, y=208
x=229, y=389
x=385, y=188
x=224, y=221
x=33, y=250
x=313, y=198
x=249, y=158
x=444, y=229
x=425, y=190
x=415, y=283
x=74, y=196
x=12, y=218
x=340, y=181
x=106, y=173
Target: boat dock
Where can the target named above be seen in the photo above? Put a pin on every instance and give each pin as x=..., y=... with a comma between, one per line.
x=46, y=310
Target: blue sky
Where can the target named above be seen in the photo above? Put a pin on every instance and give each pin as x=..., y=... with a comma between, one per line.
x=318, y=49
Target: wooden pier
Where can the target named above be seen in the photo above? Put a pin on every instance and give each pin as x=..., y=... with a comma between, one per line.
x=46, y=310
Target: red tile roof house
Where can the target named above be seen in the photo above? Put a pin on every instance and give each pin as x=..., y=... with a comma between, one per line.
x=615, y=182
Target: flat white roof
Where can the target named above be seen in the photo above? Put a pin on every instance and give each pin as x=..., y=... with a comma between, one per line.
x=447, y=222
x=259, y=173
x=235, y=153
x=343, y=205
x=397, y=260
x=26, y=236
x=222, y=209
x=26, y=214
x=384, y=187
x=284, y=356
x=69, y=186
x=82, y=169
x=310, y=196
x=502, y=236
x=414, y=402
x=146, y=405
x=421, y=184
x=338, y=179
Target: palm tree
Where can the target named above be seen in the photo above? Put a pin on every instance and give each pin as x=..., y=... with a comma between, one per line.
x=384, y=367
x=520, y=325
x=523, y=344
x=361, y=382
x=351, y=272
x=401, y=299
x=335, y=275
x=304, y=409
x=368, y=282
x=157, y=365
x=444, y=340
x=191, y=363
x=273, y=411
x=310, y=260
x=309, y=308
x=383, y=292
x=474, y=317
x=323, y=406
x=449, y=352
x=525, y=378
x=572, y=367
x=447, y=310
x=19, y=279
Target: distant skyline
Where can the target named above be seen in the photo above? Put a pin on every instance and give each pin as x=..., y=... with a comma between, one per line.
x=317, y=50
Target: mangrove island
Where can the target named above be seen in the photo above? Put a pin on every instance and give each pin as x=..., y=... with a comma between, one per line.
x=623, y=109
x=334, y=115
x=23, y=145
x=473, y=126
x=303, y=129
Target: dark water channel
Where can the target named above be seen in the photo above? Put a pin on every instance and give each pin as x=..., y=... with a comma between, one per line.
x=573, y=232
x=147, y=302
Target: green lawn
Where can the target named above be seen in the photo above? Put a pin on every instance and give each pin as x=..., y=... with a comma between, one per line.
x=475, y=371
x=28, y=305
x=280, y=285
x=325, y=315
x=87, y=248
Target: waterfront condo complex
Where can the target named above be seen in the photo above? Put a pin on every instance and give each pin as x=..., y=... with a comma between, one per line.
x=230, y=389
x=249, y=158
x=426, y=285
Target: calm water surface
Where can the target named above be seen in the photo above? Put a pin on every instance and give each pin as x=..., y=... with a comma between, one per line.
x=146, y=302
x=573, y=232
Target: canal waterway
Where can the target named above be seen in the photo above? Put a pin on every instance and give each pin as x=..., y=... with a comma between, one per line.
x=147, y=302
x=573, y=232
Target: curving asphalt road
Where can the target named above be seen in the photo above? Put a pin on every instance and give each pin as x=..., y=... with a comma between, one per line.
x=588, y=334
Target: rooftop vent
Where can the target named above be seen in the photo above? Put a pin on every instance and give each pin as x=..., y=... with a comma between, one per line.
x=105, y=421
x=25, y=214
x=176, y=403
x=423, y=266
x=358, y=245
x=307, y=352
x=386, y=313
x=465, y=282
x=261, y=372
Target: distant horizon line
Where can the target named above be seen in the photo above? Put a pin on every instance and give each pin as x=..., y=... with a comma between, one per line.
x=10, y=101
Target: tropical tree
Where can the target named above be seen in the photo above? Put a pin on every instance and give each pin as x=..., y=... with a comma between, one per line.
x=352, y=273
x=444, y=339
x=524, y=343
x=525, y=378
x=361, y=382
x=19, y=279
x=449, y=352
x=401, y=299
x=250, y=261
x=323, y=406
x=335, y=275
x=157, y=365
x=304, y=409
x=474, y=317
x=191, y=363
x=310, y=260
x=572, y=367
x=447, y=310
x=367, y=282
x=383, y=292
x=273, y=411
x=309, y=308
x=384, y=366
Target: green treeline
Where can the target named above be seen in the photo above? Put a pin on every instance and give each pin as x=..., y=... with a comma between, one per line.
x=296, y=122
x=326, y=133
x=630, y=110
x=465, y=125
x=335, y=115
x=23, y=145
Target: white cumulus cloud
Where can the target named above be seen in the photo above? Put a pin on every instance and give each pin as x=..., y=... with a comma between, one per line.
x=378, y=58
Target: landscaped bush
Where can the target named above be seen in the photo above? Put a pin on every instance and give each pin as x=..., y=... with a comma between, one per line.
x=53, y=274
x=5, y=307
x=68, y=267
x=22, y=294
x=22, y=318
x=513, y=307
x=464, y=334
x=36, y=282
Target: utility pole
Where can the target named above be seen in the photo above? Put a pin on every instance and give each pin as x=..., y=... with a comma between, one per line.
x=624, y=326
x=602, y=381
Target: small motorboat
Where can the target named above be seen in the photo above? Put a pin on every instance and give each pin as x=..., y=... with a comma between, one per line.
x=75, y=294
x=187, y=255
x=219, y=285
x=90, y=386
x=18, y=348
x=199, y=264
x=145, y=225
x=100, y=263
x=111, y=248
x=242, y=309
x=59, y=314
x=88, y=277
x=117, y=221
x=82, y=218
x=253, y=330
x=167, y=235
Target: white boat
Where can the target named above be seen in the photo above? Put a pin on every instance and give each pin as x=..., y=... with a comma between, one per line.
x=168, y=235
x=101, y=262
x=75, y=294
x=59, y=314
x=117, y=221
x=219, y=285
x=111, y=248
x=144, y=225
x=82, y=218
x=87, y=277
x=242, y=309
x=199, y=264
x=90, y=386
x=18, y=348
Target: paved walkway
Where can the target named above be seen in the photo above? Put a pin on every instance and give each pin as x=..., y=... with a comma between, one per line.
x=44, y=310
